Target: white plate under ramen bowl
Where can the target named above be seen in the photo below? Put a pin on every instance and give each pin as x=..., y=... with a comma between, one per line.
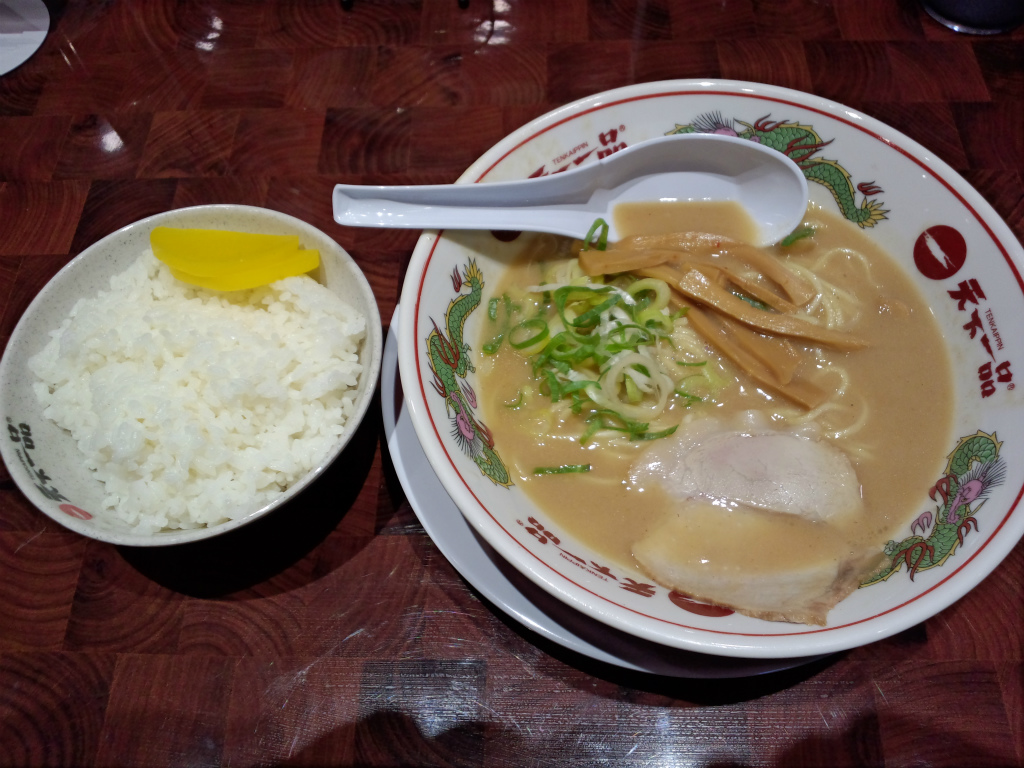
x=962, y=257
x=44, y=460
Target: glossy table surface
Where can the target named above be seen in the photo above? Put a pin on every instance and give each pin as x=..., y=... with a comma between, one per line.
x=335, y=633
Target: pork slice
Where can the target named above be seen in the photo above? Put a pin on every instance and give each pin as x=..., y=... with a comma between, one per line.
x=774, y=471
x=760, y=564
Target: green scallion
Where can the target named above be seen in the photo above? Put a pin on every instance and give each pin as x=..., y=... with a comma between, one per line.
x=798, y=234
x=528, y=333
x=752, y=301
x=598, y=229
x=564, y=469
x=493, y=345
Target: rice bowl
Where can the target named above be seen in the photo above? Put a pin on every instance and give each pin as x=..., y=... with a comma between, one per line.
x=259, y=422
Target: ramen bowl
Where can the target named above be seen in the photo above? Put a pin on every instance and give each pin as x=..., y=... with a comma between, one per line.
x=45, y=461
x=962, y=258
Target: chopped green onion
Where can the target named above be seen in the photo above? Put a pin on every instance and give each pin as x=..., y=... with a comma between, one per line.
x=798, y=234
x=662, y=293
x=642, y=369
x=593, y=315
x=688, y=397
x=554, y=386
x=493, y=345
x=602, y=236
x=633, y=393
x=572, y=387
x=528, y=333
x=652, y=318
x=654, y=435
x=752, y=302
x=593, y=425
x=578, y=332
x=564, y=469
x=561, y=366
x=605, y=418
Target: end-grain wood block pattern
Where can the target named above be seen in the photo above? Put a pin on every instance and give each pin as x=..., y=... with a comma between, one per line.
x=333, y=632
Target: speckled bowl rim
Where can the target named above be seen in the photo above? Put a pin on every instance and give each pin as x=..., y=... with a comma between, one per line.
x=335, y=261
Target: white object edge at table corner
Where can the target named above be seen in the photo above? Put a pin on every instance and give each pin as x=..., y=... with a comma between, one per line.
x=24, y=25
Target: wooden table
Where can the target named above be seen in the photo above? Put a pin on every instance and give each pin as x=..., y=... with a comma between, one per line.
x=335, y=633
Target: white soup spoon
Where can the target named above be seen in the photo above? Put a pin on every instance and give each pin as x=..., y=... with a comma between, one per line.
x=678, y=168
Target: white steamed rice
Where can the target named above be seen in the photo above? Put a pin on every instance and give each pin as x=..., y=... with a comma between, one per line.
x=191, y=406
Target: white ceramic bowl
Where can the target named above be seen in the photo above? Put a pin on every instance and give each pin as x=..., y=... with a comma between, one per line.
x=69, y=493
x=873, y=168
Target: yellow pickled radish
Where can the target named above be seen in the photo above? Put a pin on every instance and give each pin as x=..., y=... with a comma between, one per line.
x=295, y=263
x=230, y=261
x=209, y=251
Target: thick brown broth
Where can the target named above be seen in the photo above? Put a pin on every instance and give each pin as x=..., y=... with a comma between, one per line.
x=903, y=379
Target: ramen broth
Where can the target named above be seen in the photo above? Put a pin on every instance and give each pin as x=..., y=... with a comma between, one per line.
x=721, y=217
x=892, y=419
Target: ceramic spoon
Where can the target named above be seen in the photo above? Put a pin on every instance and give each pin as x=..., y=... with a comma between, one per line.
x=684, y=167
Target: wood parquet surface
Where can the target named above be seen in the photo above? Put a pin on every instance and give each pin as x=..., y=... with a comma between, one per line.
x=335, y=633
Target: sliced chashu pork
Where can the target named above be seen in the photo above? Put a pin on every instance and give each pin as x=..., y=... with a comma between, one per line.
x=742, y=559
x=751, y=528
x=786, y=472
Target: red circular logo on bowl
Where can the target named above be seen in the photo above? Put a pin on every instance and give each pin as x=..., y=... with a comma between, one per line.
x=73, y=511
x=701, y=609
x=939, y=252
